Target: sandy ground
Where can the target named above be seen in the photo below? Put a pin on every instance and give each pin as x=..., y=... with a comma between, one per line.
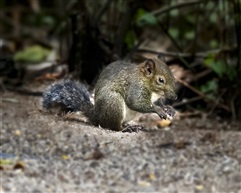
x=47, y=153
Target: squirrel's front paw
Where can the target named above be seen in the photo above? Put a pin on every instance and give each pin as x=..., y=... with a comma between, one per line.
x=166, y=112
x=162, y=114
x=170, y=111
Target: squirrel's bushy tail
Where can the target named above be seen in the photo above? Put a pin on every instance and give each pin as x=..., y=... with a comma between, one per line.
x=69, y=96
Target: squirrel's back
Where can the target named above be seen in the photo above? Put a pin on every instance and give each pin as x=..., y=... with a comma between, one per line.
x=114, y=77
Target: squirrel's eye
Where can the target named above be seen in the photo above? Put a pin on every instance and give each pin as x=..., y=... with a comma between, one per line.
x=161, y=80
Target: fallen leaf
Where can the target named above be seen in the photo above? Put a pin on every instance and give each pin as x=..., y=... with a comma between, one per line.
x=199, y=187
x=181, y=144
x=152, y=176
x=19, y=165
x=144, y=183
x=94, y=155
x=65, y=157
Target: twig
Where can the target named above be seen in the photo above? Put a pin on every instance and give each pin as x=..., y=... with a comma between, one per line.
x=10, y=100
x=133, y=49
x=237, y=20
x=201, y=74
x=123, y=27
x=74, y=58
x=24, y=91
x=179, y=5
x=102, y=11
x=215, y=105
x=25, y=30
x=165, y=30
x=175, y=54
x=187, y=101
x=189, y=114
x=203, y=95
x=193, y=44
x=232, y=104
x=12, y=23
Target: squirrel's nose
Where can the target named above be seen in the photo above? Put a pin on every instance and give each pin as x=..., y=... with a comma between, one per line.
x=172, y=97
x=175, y=98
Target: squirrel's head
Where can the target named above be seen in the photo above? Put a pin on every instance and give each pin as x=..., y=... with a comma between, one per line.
x=160, y=78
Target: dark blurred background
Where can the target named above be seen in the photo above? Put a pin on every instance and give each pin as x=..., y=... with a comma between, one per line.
x=200, y=40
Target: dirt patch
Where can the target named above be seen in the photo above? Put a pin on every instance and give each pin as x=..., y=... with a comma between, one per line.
x=57, y=155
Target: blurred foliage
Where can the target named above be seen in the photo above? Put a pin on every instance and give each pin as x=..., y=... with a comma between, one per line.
x=33, y=54
x=144, y=18
x=94, y=33
x=209, y=86
x=220, y=68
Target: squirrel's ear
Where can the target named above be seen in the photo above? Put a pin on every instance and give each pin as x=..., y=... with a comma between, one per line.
x=149, y=66
x=162, y=58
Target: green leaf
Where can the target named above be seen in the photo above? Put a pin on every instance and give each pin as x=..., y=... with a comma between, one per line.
x=189, y=35
x=214, y=17
x=231, y=72
x=209, y=86
x=217, y=66
x=190, y=18
x=220, y=68
x=48, y=20
x=213, y=44
x=6, y=162
x=130, y=39
x=210, y=4
x=174, y=12
x=144, y=18
x=174, y=32
x=33, y=54
x=139, y=13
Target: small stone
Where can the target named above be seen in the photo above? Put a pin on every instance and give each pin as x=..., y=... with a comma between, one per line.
x=163, y=123
x=17, y=132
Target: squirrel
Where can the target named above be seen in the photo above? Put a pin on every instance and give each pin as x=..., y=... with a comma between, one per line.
x=122, y=90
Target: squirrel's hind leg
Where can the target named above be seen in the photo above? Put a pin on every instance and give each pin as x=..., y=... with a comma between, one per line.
x=110, y=112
